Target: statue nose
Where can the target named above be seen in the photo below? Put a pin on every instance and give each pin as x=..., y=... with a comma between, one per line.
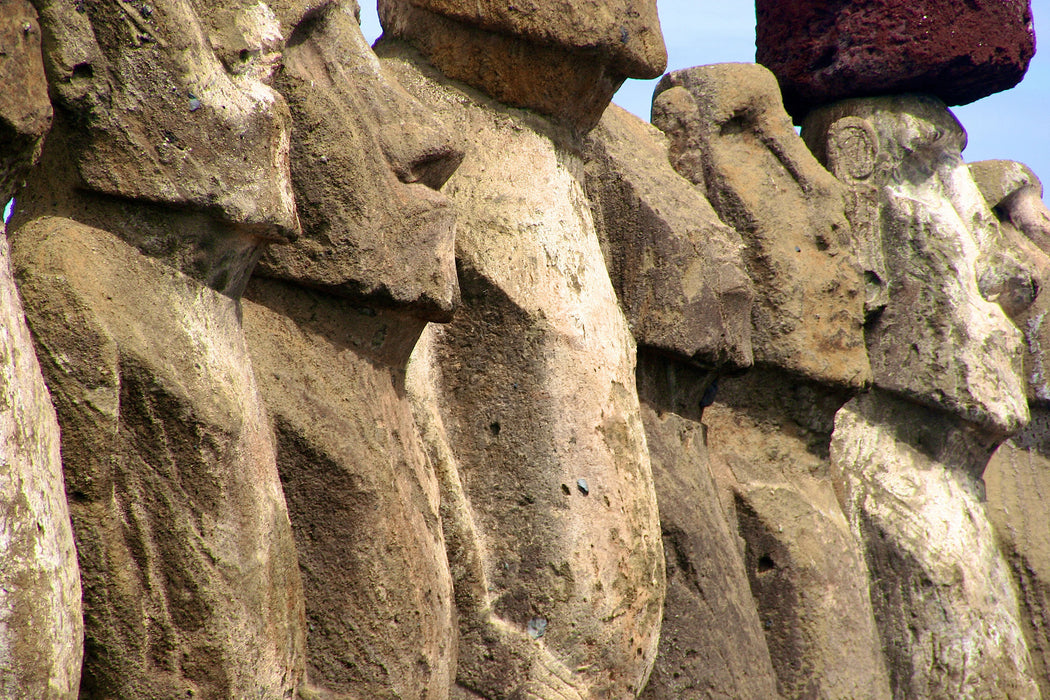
x=420, y=149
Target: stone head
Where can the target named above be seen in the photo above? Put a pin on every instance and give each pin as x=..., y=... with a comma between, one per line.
x=561, y=58
x=1015, y=196
x=156, y=115
x=938, y=336
x=730, y=136
x=164, y=140
x=367, y=160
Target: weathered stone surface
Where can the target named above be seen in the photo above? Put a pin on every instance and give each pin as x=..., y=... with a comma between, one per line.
x=25, y=112
x=41, y=625
x=938, y=251
x=41, y=628
x=958, y=51
x=677, y=269
x=564, y=59
x=366, y=155
x=946, y=607
x=729, y=135
x=146, y=110
x=362, y=497
x=805, y=567
x=1014, y=194
x=190, y=580
x=528, y=403
x=1018, y=488
x=711, y=642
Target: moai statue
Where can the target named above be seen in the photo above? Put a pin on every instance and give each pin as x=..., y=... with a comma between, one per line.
x=331, y=320
x=527, y=398
x=1016, y=477
x=768, y=431
x=164, y=175
x=948, y=387
x=41, y=625
x=679, y=275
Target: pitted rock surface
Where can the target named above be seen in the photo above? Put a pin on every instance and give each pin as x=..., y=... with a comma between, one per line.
x=959, y=51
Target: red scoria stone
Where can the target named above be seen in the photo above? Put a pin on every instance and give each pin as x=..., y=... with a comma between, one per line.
x=827, y=50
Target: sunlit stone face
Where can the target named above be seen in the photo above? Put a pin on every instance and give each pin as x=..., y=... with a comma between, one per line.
x=157, y=116
x=940, y=338
x=367, y=160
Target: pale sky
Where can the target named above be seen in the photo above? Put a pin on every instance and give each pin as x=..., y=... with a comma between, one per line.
x=1013, y=125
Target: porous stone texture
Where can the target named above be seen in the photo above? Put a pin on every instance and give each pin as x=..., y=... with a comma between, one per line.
x=680, y=279
x=528, y=403
x=41, y=628
x=41, y=624
x=730, y=136
x=944, y=599
x=1017, y=482
x=189, y=572
x=25, y=113
x=958, y=51
x=711, y=643
x=564, y=59
x=938, y=252
x=362, y=496
x=365, y=157
x=148, y=111
x=677, y=269
x=330, y=357
x=805, y=567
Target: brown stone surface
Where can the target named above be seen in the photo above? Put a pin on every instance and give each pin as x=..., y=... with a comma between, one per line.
x=41, y=623
x=378, y=241
x=362, y=497
x=528, y=404
x=1017, y=484
x=677, y=269
x=711, y=643
x=731, y=137
x=191, y=585
x=1014, y=194
x=150, y=112
x=365, y=157
x=958, y=51
x=563, y=58
x=805, y=567
x=25, y=110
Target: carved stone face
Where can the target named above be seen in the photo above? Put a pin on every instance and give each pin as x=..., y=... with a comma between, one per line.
x=1015, y=195
x=730, y=135
x=560, y=57
x=937, y=337
x=156, y=116
x=367, y=159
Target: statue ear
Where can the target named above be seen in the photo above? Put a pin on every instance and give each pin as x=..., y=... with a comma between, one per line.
x=853, y=149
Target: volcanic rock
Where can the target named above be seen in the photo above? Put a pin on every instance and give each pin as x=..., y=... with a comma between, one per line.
x=958, y=51
x=677, y=269
x=731, y=137
x=529, y=389
x=189, y=571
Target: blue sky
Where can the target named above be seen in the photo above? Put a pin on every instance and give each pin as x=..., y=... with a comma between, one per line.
x=1011, y=125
